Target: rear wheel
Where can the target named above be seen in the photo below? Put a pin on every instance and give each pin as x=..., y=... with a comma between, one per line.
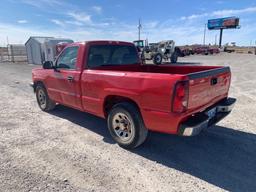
x=126, y=126
x=43, y=100
x=158, y=59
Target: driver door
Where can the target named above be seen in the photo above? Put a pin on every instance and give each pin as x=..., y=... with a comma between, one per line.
x=64, y=83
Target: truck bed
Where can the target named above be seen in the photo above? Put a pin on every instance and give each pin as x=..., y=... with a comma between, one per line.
x=207, y=84
x=170, y=69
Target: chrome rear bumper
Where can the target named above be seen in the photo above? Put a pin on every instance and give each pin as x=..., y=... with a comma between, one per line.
x=200, y=121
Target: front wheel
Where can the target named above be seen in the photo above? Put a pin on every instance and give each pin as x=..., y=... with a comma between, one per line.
x=43, y=100
x=158, y=59
x=126, y=125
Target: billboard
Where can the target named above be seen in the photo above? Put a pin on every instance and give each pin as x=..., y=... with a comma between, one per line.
x=223, y=23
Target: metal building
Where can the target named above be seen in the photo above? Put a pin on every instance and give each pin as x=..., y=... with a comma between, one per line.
x=34, y=47
x=49, y=47
x=40, y=49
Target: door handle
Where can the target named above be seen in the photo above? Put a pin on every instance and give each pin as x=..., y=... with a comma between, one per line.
x=70, y=78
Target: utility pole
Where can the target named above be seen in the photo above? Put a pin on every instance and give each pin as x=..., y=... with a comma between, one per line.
x=220, y=42
x=204, y=33
x=139, y=28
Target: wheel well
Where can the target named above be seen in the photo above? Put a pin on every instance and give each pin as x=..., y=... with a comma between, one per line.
x=36, y=84
x=111, y=100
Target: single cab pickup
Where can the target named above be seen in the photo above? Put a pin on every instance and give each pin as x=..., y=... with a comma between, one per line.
x=107, y=79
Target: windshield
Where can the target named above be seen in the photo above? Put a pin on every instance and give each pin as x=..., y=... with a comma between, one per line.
x=103, y=55
x=139, y=43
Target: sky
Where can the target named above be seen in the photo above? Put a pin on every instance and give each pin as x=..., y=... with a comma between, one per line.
x=81, y=20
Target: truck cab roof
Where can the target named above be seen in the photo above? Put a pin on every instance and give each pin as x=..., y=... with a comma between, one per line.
x=102, y=42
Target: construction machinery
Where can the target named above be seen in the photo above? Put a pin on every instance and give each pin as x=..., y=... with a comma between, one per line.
x=164, y=50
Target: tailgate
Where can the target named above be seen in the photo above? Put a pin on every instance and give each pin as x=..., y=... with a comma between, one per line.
x=208, y=87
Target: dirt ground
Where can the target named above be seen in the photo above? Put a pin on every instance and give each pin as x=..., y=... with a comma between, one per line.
x=68, y=150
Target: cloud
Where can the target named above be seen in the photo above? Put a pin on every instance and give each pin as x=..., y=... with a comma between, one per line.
x=80, y=25
x=151, y=24
x=50, y=6
x=97, y=9
x=77, y=23
x=58, y=22
x=20, y=34
x=22, y=21
x=229, y=12
x=221, y=13
x=182, y=32
x=40, y=3
x=194, y=16
x=80, y=17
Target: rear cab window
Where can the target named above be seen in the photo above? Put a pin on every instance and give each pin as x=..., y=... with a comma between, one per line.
x=112, y=55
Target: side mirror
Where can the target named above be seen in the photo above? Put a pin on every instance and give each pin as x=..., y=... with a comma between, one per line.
x=48, y=65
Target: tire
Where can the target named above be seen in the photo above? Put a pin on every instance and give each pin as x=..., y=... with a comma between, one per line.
x=174, y=57
x=126, y=125
x=43, y=100
x=158, y=59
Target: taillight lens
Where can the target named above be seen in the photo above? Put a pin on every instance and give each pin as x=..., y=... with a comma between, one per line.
x=180, y=97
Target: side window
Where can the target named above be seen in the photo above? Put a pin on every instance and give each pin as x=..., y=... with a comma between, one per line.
x=67, y=59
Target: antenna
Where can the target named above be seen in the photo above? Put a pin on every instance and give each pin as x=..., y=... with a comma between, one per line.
x=139, y=28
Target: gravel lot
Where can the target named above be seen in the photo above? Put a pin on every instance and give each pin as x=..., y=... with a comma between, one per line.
x=68, y=150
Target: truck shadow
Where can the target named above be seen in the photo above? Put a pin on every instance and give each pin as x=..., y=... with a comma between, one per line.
x=221, y=156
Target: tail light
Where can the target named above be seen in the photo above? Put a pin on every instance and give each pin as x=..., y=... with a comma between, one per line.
x=180, y=97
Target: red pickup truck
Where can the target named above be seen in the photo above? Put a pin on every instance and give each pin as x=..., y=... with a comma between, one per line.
x=107, y=79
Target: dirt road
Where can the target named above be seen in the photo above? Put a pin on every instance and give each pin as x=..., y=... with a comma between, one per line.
x=68, y=150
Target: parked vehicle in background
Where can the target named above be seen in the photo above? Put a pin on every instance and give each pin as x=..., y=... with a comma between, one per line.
x=107, y=79
x=185, y=51
x=229, y=49
x=201, y=50
x=240, y=49
x=140, y=44
x=213, y=50
x=164, y=50
x=206, y=50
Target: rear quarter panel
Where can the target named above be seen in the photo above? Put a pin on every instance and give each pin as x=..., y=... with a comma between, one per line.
x=151, y=92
